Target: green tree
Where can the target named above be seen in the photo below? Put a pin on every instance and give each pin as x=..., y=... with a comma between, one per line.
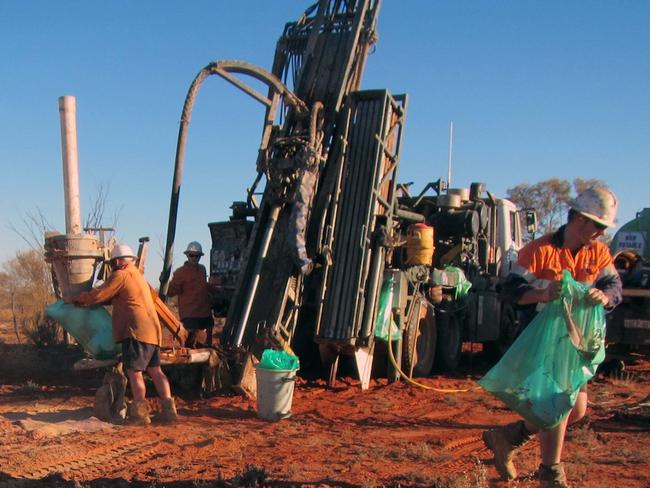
x=25, y=288
x=550, y=198
x=26, y=281
x=581, y=185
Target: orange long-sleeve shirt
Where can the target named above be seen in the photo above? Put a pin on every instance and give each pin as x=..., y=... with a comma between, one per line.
x=134, y=313
x=544, y=259
x=190, y=285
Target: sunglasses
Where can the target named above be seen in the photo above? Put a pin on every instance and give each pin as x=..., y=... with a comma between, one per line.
x=193, y=255
x=598, y=226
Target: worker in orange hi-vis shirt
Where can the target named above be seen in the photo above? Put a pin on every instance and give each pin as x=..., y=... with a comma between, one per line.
x=536, y=280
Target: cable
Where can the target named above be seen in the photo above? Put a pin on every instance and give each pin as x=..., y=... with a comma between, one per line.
x=412, y=381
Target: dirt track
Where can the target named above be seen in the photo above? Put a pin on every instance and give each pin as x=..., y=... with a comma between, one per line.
x=391, y=435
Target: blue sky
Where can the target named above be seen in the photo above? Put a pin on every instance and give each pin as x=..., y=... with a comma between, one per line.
x=535, y=90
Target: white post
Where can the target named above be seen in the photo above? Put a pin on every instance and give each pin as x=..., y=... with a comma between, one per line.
x=451, y=144
x=68, y=116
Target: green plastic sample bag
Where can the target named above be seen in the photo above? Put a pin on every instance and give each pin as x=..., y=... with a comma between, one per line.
x=92, y=327
x=452, y=276
x=541, y=374
x=278, y=360
x=384, y=320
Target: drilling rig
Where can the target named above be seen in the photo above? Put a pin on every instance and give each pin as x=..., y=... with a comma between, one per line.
x=303, y=268
x=329, y=155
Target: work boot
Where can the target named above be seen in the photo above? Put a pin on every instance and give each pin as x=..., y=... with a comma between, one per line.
x=503, y=442
x=138, y=413
x=552, y=476
x=168, y=414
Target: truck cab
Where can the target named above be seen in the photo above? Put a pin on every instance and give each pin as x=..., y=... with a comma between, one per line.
x=509, y=235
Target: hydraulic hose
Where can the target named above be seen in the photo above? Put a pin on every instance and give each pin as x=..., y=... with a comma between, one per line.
x=178, y=177
x=224, y=69
x=412, y=381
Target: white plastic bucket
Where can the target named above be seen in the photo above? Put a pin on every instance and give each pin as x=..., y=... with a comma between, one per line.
x=274, y=392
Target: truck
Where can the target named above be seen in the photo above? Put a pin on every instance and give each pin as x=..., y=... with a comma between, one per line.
x=303, y=262
x=628, y=326
x=478, y=236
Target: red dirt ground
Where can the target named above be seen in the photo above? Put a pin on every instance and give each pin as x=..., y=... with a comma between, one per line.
x=390, y=435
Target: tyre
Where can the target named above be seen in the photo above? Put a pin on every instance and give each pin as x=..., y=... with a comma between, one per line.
x=509, y=330
x=419, y=341
x=449, y=341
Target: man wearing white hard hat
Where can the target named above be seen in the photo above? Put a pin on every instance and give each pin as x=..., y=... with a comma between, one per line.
x=137, y=328
x=536, y=280
x=189, y=284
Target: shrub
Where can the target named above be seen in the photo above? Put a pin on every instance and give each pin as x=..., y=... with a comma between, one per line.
x=42, y=331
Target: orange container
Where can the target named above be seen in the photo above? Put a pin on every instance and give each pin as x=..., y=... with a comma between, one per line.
x=419, y=245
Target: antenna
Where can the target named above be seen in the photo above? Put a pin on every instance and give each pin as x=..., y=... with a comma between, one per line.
x=451, y=145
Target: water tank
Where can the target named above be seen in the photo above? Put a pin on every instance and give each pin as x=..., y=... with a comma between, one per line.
x=634, y=235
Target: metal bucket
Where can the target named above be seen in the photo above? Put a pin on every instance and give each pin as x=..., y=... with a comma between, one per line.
x=274, y=393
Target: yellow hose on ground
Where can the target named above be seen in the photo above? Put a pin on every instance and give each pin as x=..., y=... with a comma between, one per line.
x=411, y=380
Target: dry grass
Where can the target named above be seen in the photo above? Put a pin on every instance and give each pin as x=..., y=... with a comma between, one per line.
x=484, y=401
x=596, y=449
x=202, y=484
x=251, y=476
x=623, y=379
x=42, y=331
x=476, y=478
x=28, y=388
x=585, y=437
x=626, y=456
x=451, y=400
x=419, y=452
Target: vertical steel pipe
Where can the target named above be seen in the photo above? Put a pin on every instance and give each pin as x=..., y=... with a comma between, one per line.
x=259, y=262
x=68, y=116
x=73, y=255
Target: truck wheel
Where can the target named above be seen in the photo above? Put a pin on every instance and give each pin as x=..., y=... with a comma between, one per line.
x=509, y=330
x=449, y=341
x=419, y=341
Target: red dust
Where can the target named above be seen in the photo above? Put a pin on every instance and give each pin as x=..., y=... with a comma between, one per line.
x=390, y=435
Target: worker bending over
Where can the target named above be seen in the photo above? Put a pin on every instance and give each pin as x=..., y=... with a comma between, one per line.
x=136, y=327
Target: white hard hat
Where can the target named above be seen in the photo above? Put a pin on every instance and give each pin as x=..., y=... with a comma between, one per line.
x=597, y=204
x=194, y=248
x=122, y=251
